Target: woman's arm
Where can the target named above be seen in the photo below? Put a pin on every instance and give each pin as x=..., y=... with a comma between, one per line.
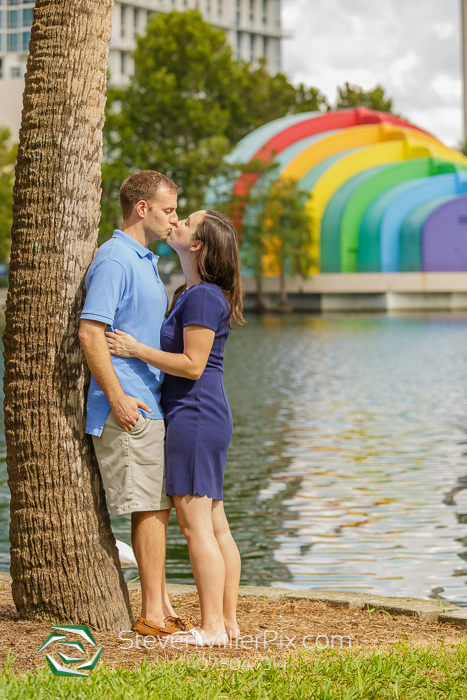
x=197, y=344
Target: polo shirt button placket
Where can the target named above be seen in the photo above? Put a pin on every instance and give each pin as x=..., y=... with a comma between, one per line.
x=154, y=260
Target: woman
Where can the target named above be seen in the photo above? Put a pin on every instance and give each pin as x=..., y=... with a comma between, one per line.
x=197, y=413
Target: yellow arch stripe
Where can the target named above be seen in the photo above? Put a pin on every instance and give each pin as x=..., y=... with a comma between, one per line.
x=346, y=139
x=359, y=161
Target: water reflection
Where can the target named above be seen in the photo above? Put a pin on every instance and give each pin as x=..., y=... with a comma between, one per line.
x=377, y=441
x=348, y=467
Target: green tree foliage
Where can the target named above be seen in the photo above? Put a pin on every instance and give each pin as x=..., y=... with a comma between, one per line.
x=7, y=176
x=175, y=113
x=273, y=225
x=248, y=213
x=287, y=232
x=246, y=210
x=264, y=97
x=355, y=96
x=188, y=103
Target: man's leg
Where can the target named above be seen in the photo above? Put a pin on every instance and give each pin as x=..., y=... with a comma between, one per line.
x=148, y=538
x=133, y=472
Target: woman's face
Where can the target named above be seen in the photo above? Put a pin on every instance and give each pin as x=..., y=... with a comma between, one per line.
x=181, y=238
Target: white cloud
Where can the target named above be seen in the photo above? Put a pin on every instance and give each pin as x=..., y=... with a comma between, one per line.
x=444, y=30
x=411, y=48
x=401, y=68
x=443, y=122
x=447, y=87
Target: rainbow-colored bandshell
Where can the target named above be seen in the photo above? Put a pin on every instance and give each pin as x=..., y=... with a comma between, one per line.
x=384, y=195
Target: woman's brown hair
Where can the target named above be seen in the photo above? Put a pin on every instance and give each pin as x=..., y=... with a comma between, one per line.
x=219, y=261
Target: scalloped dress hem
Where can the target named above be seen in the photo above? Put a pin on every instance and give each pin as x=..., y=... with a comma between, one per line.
x=201, y=495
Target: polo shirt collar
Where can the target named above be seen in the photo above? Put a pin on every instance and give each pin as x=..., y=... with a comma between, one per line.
x=131, y=243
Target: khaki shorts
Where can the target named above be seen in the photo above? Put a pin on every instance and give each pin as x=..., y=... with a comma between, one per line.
x=132, y=465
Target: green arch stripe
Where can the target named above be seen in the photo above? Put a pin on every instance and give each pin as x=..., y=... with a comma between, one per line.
x=362, y=255
x=332, y=219
x=369, y=239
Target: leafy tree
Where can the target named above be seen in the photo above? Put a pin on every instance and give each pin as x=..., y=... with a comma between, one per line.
x=7, y=164
x=272, y=222
x=174, y=116
x=188, y=103
x=355, y=96
x=246, y=212
x=286, y=233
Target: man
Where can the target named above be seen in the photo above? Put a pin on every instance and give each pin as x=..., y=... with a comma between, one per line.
x=124, y=417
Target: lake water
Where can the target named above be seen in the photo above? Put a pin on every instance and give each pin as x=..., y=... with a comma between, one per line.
x=348, y=467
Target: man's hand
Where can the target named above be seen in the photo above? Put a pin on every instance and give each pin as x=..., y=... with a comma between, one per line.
x=96, y=351
x=125, y=411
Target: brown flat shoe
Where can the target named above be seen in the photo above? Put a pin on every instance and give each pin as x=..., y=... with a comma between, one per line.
x=180, y=624
x=145, y=628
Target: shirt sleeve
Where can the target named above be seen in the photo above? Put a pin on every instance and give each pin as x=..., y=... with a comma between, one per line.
x=202, y=308
x=105, y=289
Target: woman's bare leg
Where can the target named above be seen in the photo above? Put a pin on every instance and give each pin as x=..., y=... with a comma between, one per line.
x=194, y=514
x=232, y=563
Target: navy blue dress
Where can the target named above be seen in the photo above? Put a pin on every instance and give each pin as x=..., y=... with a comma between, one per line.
x=197, y=413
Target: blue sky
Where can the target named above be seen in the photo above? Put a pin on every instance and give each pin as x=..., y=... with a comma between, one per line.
x=411, y=47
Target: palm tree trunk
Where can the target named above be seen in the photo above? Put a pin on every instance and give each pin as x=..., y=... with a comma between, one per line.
x=64, y=562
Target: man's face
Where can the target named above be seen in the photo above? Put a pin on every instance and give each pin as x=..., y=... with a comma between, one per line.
x=160, y=217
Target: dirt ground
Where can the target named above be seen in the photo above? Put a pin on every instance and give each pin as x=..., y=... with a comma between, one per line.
x=267, y=628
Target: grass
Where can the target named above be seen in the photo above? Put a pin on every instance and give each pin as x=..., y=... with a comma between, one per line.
x=402, y=673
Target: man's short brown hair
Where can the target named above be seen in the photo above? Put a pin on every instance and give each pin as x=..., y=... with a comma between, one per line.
x=144, y=186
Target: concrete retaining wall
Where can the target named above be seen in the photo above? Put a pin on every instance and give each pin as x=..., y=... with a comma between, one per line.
x=372, y=292
x=412, y=291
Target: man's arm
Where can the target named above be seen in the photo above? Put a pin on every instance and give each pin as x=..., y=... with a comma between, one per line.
x=96, y=352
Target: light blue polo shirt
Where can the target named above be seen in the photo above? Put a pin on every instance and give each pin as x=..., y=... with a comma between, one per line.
x=124, y=291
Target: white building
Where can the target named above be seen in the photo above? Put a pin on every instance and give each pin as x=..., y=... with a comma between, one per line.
x=253, y=28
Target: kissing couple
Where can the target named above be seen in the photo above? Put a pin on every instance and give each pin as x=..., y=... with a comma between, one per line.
x=157, y=411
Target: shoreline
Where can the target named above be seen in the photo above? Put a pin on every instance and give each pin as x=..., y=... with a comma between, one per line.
x=425, y=610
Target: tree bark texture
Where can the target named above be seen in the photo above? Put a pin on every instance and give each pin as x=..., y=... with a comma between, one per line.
x=259, y=307
x=64, y=561
x=283, y=305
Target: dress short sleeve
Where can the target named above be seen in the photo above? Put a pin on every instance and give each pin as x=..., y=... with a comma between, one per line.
x=105, y=289
x=202, y=307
